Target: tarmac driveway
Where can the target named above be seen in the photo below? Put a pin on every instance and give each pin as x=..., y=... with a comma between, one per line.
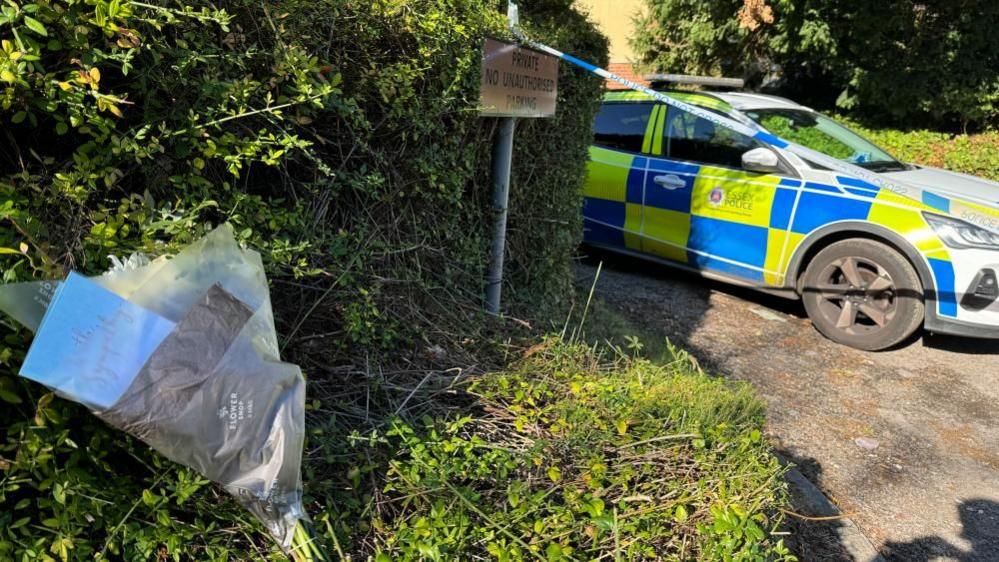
x=906, y=442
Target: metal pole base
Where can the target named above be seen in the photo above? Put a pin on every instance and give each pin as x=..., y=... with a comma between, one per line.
x=502, y=160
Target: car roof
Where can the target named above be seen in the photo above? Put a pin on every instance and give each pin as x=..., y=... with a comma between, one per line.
x=744, y=101
x=703, y=99
x=720, y=101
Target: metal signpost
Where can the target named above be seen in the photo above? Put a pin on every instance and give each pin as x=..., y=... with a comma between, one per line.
x=516, y=82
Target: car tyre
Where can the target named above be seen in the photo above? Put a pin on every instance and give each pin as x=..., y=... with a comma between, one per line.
x=863, y=293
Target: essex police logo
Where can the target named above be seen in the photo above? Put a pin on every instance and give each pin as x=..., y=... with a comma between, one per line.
x=717, y=196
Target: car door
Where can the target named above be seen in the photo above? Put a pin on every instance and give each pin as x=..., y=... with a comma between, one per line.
x=703, y=210
x=614, y=188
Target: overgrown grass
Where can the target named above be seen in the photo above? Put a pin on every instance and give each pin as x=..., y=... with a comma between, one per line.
x=575, y=452
x=571, y=454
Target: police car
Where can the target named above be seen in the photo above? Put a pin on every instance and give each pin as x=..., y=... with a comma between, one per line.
x=870, y=265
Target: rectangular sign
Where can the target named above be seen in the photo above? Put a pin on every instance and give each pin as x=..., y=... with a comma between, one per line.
x=517, y=82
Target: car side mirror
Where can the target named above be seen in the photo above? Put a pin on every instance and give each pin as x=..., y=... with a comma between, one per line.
x=762, y=160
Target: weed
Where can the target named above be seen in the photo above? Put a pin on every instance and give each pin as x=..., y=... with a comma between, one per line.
x=571, y=454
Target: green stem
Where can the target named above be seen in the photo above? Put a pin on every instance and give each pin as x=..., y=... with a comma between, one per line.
x=304, y=545
x=589, y=299
x=468, y=503
x=269, y=109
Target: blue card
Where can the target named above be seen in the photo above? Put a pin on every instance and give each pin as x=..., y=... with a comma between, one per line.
x=92, y=343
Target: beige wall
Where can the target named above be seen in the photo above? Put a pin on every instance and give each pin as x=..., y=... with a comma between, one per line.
x=614, y=18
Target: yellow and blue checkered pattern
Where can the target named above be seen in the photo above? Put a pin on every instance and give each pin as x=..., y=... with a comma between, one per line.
x=738, y=223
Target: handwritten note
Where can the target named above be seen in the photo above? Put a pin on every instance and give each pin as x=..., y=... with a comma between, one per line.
x=92, y=343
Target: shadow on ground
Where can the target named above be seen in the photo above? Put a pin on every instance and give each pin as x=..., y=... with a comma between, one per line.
x=980, y=528
x=815, y=527
x=677, y=311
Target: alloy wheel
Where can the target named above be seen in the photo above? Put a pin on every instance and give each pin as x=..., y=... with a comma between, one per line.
x=856, y=295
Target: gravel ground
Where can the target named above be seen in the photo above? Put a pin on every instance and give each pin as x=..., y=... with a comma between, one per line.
x=905, y=442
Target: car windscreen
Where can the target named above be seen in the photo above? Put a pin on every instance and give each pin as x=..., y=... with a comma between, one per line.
x=820, y=133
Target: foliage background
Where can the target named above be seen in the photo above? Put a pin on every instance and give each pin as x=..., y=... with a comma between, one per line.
x=907, y=62
x=340, y=138
x=976, y=154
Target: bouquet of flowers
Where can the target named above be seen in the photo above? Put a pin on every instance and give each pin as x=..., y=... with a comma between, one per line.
x=182, y=353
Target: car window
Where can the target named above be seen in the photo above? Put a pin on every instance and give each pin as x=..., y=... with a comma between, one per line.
x=622, y=125
x=820, y=133
x=689, y=137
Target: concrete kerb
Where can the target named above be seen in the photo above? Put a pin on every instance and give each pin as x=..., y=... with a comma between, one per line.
x=850, y=536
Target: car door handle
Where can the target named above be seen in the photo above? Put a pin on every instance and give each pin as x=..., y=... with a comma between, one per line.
x=670, y=181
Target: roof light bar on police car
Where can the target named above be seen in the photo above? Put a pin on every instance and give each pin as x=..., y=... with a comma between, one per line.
x=713, y=81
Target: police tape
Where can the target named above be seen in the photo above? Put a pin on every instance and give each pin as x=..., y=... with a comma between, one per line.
x=973, y=213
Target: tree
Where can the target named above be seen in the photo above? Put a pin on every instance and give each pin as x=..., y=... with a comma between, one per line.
x=722, y=37
x=928, y=62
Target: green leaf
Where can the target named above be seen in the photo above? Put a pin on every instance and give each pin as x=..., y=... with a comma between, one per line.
x=19, y=116
x=5, y=394
x=604, y=522
x=61, y=128
x=555, y=473
x=9, y=397
x=148, y=498
x=36, y=26
x=7, y=76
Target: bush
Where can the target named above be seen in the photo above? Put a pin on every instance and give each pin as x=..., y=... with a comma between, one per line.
x=903, y=61
x=339, y=137
x=134, y=126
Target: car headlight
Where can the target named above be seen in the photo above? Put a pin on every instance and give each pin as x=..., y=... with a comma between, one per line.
x=960, y=234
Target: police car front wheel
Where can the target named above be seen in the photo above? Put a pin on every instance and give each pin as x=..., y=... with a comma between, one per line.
x=863, y=293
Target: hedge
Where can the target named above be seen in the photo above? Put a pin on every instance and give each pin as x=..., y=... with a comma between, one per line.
x=976, y=154
x=339, y=137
